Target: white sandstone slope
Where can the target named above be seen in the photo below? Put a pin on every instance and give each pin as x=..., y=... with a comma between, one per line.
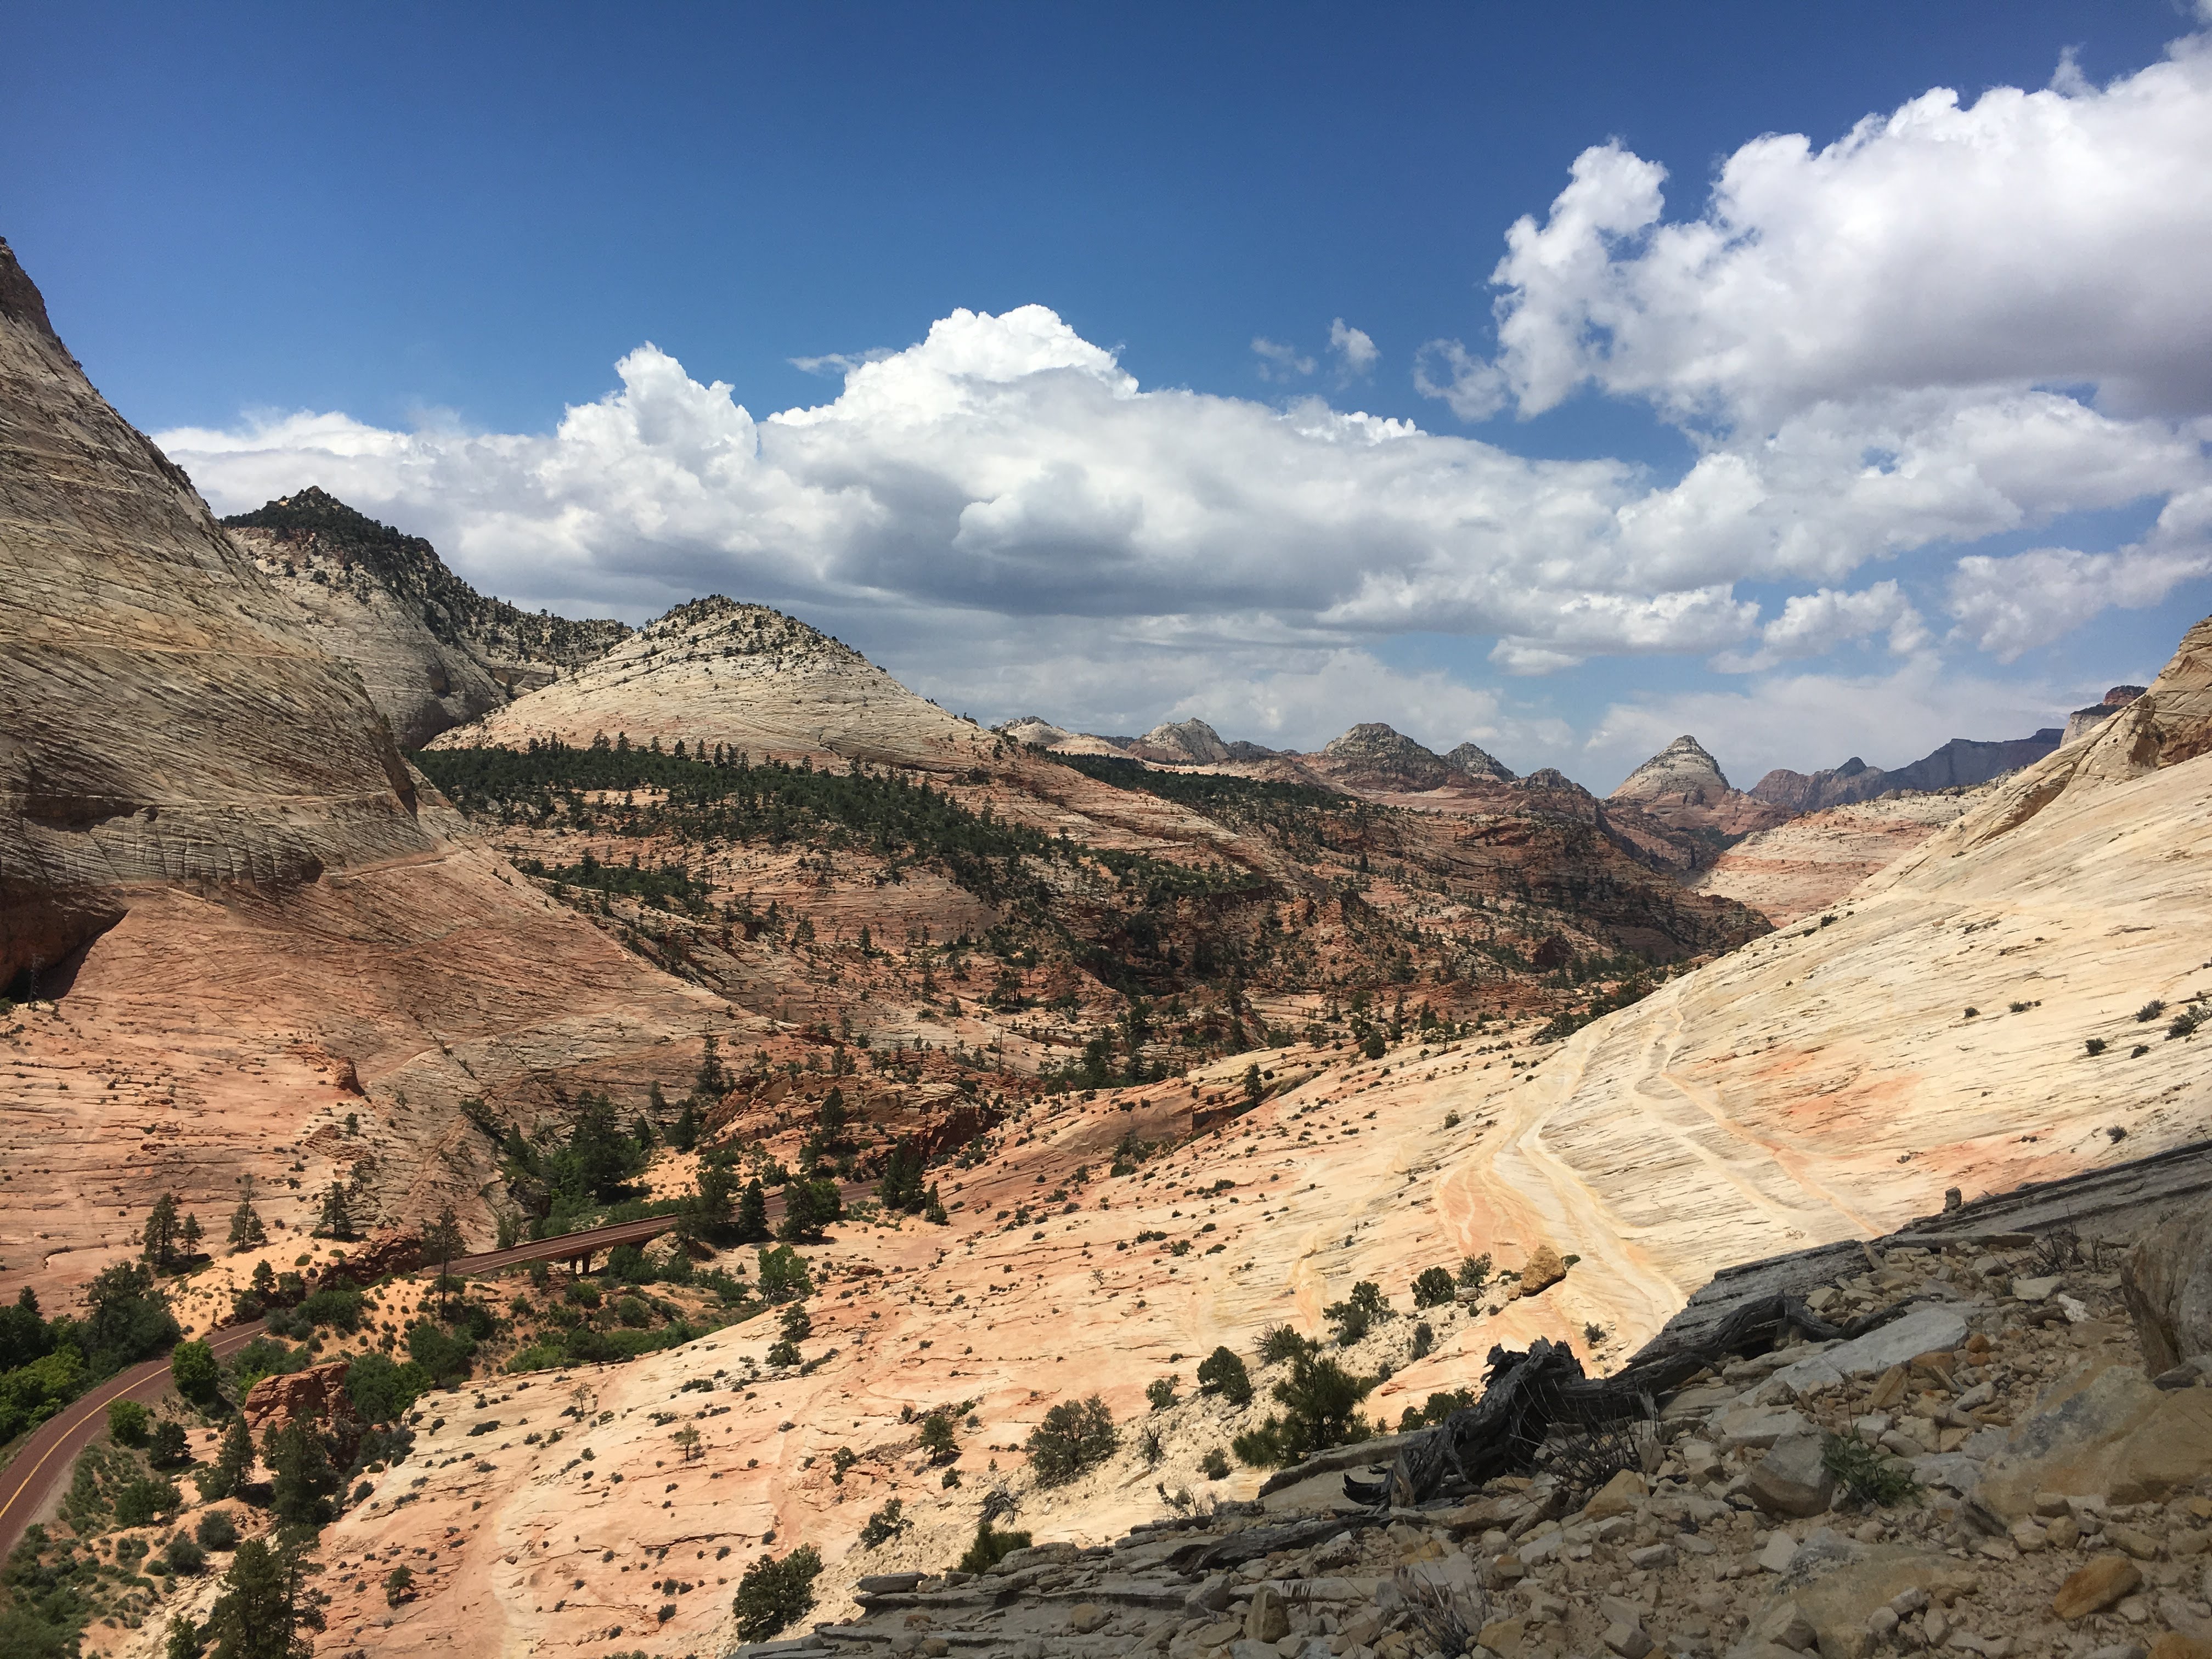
x=1802, y=867
x=1831, y=1081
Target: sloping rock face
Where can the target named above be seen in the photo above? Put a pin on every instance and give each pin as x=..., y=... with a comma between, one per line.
x=1805, y=865
x=257, y=920
x=163, y=716
x=1829, y=1080
x=1374, y=755
x=1683, y=785
x=2082, y=722
x=432, y=651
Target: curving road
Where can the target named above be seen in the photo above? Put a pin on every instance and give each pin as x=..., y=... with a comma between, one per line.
x=33, y=1480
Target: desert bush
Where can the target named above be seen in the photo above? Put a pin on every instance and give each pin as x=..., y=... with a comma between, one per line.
x=1075, y=1435
x=783, y=1275
x=2095, y=1045
x=168, y=1446
x=1160, y=1392
x=1282, y=1342
x=216, y=1530
x=990, y=1548
x=128, y=1422
x=182, y=1555
x=2149, y=1012
x=1868, y=1478
x=1424, y=1339
x=1473, y=1270
x=1214, y=1466
x=1359, y=1314
x=139, y=1501
x=885, y=1524
x=773, y=1592
x=1433, y=1288
x=1223, y=1373
x=193, y=1369
x=938, y=1439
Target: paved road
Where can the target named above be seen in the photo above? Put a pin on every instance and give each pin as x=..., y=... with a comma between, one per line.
x=39, y=1471
x=35, y=1476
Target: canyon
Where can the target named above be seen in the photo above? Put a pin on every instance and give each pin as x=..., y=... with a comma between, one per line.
x=320, y=869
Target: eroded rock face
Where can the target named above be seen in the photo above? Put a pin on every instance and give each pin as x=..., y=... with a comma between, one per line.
x=432, y=651
x=1183, y=743
x=2082, y=722
x=258, y=920
x=2167, y=1279
x=1806, y=866
x=316, y=1396
x=166, y=716
x=1478, y=762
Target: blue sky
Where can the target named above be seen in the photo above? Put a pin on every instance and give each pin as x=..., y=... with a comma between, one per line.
x=372, y=249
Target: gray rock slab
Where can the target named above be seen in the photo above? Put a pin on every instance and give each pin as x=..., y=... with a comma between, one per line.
x=1916, y=1332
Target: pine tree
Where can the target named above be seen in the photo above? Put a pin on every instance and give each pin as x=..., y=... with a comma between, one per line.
x=336, y=1220
x=712, y=1082
x=265, y=1605
x=442, y=1242
x=222, y=1478
x=246, y=1229
x=751, y=1224
x=190, y=1234
x=159, y=1242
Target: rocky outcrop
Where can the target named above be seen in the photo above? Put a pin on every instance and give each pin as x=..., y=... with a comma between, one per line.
x=164, y=716
x=1682, y=786
x=2082, y=722
x=2167, y=1281
x=1374, y=755
x=1477, y=762
x=317, y=1396
x=432, y=651
x=745, y=677
x=1183, y=743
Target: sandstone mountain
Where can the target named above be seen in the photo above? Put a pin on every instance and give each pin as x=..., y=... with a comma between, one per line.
x=1961, y=763
x=253, y=916
x=1374, y=755
x=1181, y=743
x=1477, y=762
x=432, y=651
x=1682, y=786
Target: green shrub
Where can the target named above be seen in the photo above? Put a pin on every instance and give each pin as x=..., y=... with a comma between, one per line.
x=1433, y=1289
x=1160, y=1392
x=184, y=1555
x=783, y=1275
x=773, y=1592
x=382, y=1389
x=1321, y=1401
x=1214, y=1466
x=140, y=1500
x=1371, y=1045
x=1868, y=1478
x=1281, y=1342
x=1473, y=1270
x=1223, y=1373
x=1075, y=1436
x=938, y=1439
x=885, y=1524
x=1358, y=1313
x=128, y=1422
x=217, y=1530
x=633, y=1312
x=168, y=1445
x=989, y=1547
x=193, y=1369
x=443, y=1357
x=2095, y=1045
x=2149, y=1012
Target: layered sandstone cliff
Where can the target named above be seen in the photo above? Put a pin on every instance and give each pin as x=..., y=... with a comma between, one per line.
x=246, y=921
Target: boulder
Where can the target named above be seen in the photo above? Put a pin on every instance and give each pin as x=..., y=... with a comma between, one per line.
x=2104, y=1432
x=1921, y=1331
x=1086, y=1617
x=2166, y=1281
x=1792, y=1479
x=1617, y=1496
x=1266, y=1619
x=318, y=1396
x=1835, y=1586
x=2096, y=1587
x=1542, y=1270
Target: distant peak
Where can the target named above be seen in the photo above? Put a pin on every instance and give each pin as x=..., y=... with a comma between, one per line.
x=1683, y=767
x=1374, y=740
x=1478, y=762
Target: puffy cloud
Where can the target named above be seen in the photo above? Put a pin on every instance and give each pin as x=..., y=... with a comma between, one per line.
x=1355, y=349
x=1956, y=322
x=1814, y=624
x=2027, y=237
